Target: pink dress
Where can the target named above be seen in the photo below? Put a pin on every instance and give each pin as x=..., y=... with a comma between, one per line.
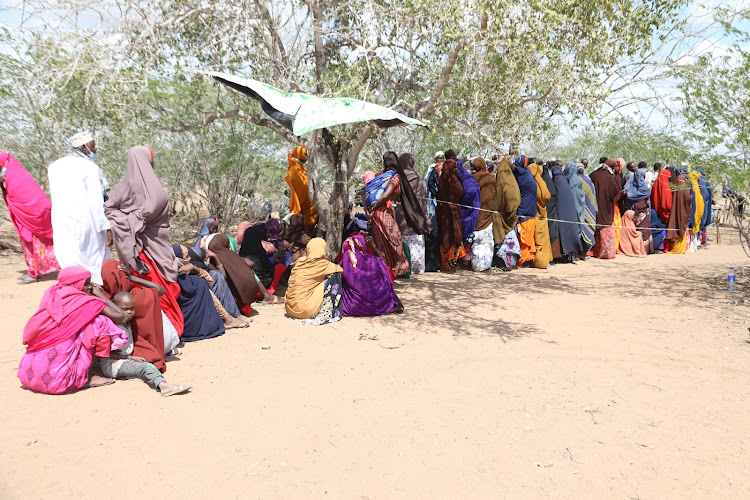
x=29, y=210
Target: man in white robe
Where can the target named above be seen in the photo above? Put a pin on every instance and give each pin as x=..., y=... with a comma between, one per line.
x=81, y=231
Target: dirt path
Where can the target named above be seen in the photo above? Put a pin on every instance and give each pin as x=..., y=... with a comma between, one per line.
x=623, y=379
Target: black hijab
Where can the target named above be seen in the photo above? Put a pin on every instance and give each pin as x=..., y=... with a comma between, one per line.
x=252, y=248
x=415, y=216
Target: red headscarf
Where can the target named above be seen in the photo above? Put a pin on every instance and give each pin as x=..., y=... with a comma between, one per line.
x=65, y=309
x=29, y=207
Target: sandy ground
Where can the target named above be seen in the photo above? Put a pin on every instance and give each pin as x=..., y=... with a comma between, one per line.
x=619, y=379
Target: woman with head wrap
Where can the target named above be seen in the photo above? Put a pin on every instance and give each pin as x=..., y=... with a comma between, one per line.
x=385, y=230
x=448, y=215
x=608, y=192
x=252, y=248
x=619, y=165
x=527, y=209
x=570, y=233
x=189, y=262
x=543, y=254
x=238, y=273
x=202, y=321
x=661, y=195
x=658, y=233
x=554, y=227
x=431, y=180
x=296, y=235
x=705, y=189
x=209, y=226
x=314, y=292
x=29, y=210
x=579, y=197
x=505, y=218
x=241, y=228
x=471, y=200
x=138, y=210
x=411, y=212
x=484, y=243
x=62, y=337
x=682, y=205
x=638, y=194
x=696, y=215
x=299, y=198
x=588, y=224
x=367, y=289
x=631, y=240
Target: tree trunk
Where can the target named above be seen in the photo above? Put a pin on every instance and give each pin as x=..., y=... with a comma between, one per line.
x=337, y=203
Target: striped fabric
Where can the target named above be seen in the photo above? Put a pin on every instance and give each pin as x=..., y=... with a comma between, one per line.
x=588, y=227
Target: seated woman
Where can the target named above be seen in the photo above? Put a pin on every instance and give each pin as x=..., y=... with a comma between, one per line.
x=189, y=263
x=63, y=335
x=314, y=293
x=253, y=250
x=367, y=288
x=202, y=321
x=242, y=282
x=153, y=333
x=209, y=226
x=296, y=235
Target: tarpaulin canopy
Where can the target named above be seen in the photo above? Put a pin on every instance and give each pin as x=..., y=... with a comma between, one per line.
x=302, y=113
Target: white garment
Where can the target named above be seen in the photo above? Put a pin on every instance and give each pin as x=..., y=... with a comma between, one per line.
x=416, y=249
x=650, y=176
x=171, y=339
x=482, y=249
x=78, y=222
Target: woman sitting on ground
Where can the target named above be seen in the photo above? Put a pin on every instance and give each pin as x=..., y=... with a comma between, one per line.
x=63, y=335
x=314, y=293
x=253, y=250
x=367, y=288
x=209, y=226
x=188, y=263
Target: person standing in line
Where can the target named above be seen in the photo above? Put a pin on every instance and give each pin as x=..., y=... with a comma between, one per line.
x=81, y=231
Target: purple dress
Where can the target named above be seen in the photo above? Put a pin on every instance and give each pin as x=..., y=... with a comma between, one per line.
x=367, y=288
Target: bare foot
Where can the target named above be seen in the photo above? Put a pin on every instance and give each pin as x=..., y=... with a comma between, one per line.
x=273, y=299
x=241, y=322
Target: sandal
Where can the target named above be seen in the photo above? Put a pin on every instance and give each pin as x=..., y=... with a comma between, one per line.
x=174, y=352
x=27, y=280
x=178, y=389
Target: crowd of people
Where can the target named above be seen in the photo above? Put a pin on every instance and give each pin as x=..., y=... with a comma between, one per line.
x=128, y=317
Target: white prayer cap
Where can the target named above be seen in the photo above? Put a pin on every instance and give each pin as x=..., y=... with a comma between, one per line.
x=80, y=139
x=439, y=155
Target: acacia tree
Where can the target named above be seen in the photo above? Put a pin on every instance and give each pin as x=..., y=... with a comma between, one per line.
x=487, y=70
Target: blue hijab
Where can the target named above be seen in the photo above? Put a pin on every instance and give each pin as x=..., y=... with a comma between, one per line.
x=527, y=186
x=659, y=230
x=705, y=189
x=638, y=189
x=570, y=231
x=207, y=224
x=470, y=198
x=579, y=196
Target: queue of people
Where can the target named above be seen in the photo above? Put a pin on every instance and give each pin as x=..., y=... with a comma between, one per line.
x=128, y=316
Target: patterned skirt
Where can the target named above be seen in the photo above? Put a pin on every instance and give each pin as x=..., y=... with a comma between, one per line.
x=606, y=243
x=40, y=256
x=331, y=309
x=417, y=249
x=482, y=249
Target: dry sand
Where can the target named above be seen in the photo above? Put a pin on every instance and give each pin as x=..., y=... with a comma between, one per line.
x=619, y=379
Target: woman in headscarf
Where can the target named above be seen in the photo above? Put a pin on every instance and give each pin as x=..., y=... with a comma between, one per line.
x=238, y=274
x=543, y=255
x=638, y=194
x=705, y=189
x=296, y=235
x=202, y=320
x=579, y=198
x=411, y=213
x=696, y=215
x=209, y=226
x=299, y=198
x=505, y=218
x=470, y=199
x=661, y=195
x=385, y=230
x=29, y=210
x=619, y=165
x=138, y=210
x=449, y=216
x=241, y=228
x=588, y=224
x=570, y=233
x=658, y=233
x=484, y=243
x=431, y=180
x=70, y=327
x=252, y=249
x=527, y=209
x=153, y=334
x=631, y=240
x=554, y=227
x=367, y=289
x=682, y=204
x=314, y=293
x=608, y=193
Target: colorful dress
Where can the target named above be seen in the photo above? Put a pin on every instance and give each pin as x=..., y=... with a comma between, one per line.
x=386, y=233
